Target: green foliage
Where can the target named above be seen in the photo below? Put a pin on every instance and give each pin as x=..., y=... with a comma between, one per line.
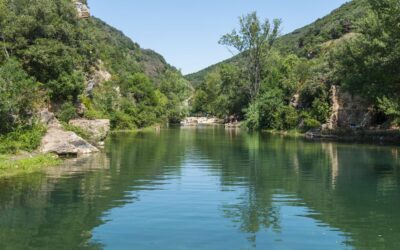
x=310, y=123
x=267, y=111
x=369, y=63
x=47, y=37
x=253, y=40
x=47, y=54
x=66, y=112
x=21, y=139
x=223, y=93
x=81, y=132
x=26, y=164
x=18, y=95
x=306, y=42
x=391, y=108
x=320, y=110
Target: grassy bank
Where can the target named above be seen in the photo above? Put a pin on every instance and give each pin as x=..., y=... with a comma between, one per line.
x=16, y=149
x=26, y=163
x=145, y=129
x=291, y=133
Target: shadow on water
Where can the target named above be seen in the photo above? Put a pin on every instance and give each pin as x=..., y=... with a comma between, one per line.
x=215, y=188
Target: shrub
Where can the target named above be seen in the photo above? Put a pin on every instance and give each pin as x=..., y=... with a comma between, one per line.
x=310, y=123
x=22, y=139
x=289, y=117
x=18, y=93
x=67, y=112
x=391, y=108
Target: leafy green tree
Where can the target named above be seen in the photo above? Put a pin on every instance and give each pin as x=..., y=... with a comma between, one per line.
x=254, y=40
x=18, y=96
x=369, y=63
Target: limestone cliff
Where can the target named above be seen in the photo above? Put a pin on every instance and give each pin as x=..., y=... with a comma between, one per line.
x=348, y=111
x=82, y=9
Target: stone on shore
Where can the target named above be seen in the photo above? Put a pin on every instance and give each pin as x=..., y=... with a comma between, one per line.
x=96, y=129
x=61, y=142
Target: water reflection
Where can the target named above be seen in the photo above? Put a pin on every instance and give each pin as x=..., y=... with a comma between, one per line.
x=208, y=188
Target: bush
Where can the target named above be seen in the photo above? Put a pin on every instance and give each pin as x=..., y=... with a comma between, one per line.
x=289, y=117
x=320, y=110
x=310, y=123
x=22, y=139
x=67, y=112
x=391, y=108
x=253, y=117
x=18, y=93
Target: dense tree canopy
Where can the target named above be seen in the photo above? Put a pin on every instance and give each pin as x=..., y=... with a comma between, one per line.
x=357, y=46
x=47, y=51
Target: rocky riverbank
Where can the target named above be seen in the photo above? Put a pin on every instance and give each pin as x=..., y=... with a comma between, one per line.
x=59, y=141
x=197, y=121
x=390, y=136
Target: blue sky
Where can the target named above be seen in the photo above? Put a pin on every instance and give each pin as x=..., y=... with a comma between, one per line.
x=186, y=32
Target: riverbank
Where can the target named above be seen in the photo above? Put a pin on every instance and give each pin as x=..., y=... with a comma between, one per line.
x=387, y=137
x=15, y=162
x=24, y=163
x=363, y=136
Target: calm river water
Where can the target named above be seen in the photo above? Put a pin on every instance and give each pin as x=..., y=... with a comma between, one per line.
x=209, y=189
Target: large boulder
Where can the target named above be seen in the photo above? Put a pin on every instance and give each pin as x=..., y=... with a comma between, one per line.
x=96, y=129
x=59, y=141
x=63, y=142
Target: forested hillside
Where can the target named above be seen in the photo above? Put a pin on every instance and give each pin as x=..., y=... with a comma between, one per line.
x=356, y=48
x=79, y=67
x=307, y=40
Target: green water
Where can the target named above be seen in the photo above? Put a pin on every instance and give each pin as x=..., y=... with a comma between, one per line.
x=209, y=189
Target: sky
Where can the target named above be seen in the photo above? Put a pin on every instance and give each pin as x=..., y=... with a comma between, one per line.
x=186, y=32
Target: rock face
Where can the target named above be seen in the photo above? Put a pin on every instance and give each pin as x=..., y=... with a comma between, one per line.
x=348, y=111
x=97, y=129
x=98, y=77
x=61, y=142
x=82, y=9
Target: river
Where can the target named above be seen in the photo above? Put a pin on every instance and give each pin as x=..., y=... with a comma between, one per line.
x=208, y=188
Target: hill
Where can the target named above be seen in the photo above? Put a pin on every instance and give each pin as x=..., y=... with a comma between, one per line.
x=79, y=66
x=306, y=41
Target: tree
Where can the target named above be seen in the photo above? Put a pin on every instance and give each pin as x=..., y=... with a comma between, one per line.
x=369, y=63
x=18, y=93
x=253, y=40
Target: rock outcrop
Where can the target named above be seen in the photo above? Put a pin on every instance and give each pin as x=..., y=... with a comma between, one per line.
x=65, y=143
x=348, y=111
x=61, y=142
x=98, y=77
x=82, y=9
x=194, y=121
x=97, y=129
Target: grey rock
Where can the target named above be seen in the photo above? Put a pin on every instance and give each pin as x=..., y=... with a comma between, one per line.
x=97, y=129
x=63, y=142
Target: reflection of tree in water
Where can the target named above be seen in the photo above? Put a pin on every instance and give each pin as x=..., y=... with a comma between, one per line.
x=350, y=187
x=59, y=212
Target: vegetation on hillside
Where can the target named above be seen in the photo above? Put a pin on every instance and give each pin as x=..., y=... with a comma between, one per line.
x=356, y=46
x=48, y=55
